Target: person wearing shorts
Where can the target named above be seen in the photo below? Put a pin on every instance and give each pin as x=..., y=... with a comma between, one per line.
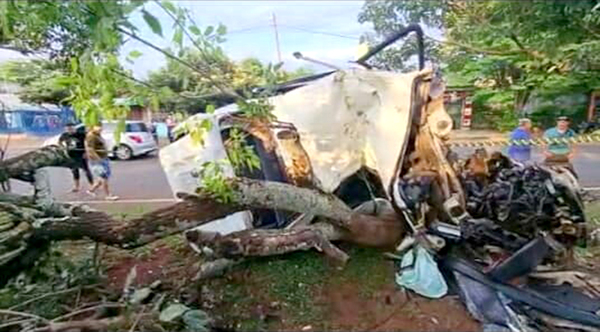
x=560, y=153
x=74, y=142
x=97, y=153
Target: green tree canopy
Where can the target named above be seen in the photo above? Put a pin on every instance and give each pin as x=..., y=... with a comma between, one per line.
x=41, y=80
x=86, y=37
x=187, y=91
x=83, y=38
x=510, y=50
x=390, y=16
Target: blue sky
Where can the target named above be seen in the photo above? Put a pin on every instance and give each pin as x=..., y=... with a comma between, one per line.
x=325, y=30
x=250, y=31
x=303, y=26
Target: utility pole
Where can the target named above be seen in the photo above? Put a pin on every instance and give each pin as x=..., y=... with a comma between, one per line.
x=276, y=38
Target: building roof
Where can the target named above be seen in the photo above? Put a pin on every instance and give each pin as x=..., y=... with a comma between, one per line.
x=12, y=102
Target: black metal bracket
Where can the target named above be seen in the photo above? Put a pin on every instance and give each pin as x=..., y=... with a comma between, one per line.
x=392, y=39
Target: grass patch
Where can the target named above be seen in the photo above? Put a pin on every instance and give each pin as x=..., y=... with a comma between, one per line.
x=296, y=282
x=592, y=211
x=126, y=211
x=367, y=268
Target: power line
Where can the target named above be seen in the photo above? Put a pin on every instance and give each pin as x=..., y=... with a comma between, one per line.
x=319, y=32
x=248, y=29
x=276, y=38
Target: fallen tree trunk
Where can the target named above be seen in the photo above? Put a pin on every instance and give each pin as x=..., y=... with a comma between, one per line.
x=26, y=228
x=24, y=166
x=196, y=210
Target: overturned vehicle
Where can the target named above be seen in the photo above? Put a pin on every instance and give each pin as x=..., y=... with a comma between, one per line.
x=360, y=156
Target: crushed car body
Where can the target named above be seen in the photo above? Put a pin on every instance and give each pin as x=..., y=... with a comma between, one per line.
x=491, y=234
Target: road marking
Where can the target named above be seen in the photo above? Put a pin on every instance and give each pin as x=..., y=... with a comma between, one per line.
x=591, y=188
x=128, y=201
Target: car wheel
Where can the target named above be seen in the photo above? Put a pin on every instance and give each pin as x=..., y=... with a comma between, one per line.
x=123, y=152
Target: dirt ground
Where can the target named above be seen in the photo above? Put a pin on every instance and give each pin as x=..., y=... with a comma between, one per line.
x=299, y=291
x=296, y=292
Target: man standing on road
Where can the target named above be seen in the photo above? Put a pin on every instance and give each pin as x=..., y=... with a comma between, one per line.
x=521, y=152
x=561, y=152
x=73, y=141
x=98, y=155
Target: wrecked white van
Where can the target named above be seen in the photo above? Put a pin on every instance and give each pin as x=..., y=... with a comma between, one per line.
x=346, y=133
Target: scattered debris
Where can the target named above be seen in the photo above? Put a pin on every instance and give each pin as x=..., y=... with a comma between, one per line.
x=172, y=312
x=419, y=272
x=475, y=228
x=196, y=321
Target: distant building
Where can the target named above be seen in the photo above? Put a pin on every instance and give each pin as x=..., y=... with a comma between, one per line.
x=19, y=117
x=47, y=119
x=137, y=111
x=459, y=105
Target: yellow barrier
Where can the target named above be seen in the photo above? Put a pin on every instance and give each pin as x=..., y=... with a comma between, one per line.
x=579, y=139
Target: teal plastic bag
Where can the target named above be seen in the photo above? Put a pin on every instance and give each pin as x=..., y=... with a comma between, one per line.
x=424, y=277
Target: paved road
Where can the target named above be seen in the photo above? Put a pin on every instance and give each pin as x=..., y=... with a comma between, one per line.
x=144, y=180
x=138, y=179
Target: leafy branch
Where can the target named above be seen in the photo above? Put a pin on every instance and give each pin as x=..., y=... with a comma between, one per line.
x=226, y=91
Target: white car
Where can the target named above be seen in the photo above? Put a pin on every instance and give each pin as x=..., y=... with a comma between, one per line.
x=135, y=140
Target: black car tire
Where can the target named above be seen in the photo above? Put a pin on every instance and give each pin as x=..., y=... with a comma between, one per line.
x=123, y=152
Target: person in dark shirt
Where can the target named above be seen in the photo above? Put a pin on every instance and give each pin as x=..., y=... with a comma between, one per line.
x=74, y=142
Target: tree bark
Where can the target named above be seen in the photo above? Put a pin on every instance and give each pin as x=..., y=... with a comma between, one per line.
x=196, y=210
x=24, y=166
x=28, y=226
x=591, y=112
x=268, y=242
x=34, y=229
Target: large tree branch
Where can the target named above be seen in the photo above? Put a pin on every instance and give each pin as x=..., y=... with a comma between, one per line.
x=263, y=242
x=26, y=232
x=22, y=167
x=101, y=227
x=522, y=47
x=196, y=210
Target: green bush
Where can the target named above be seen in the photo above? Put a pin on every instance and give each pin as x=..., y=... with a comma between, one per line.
x=494, y=110
x=545, y=116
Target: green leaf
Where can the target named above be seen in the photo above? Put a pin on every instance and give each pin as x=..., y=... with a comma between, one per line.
x=196, y=321
x=222, y=29
x=194, y=29
x=155, y=102
x=169, y=6
x=135, y=54
x=152, y=22
x=210, y=109
x=178, y=37
x=278, y=66
x=172, y=312
x=209, y=30
x=74, y=64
